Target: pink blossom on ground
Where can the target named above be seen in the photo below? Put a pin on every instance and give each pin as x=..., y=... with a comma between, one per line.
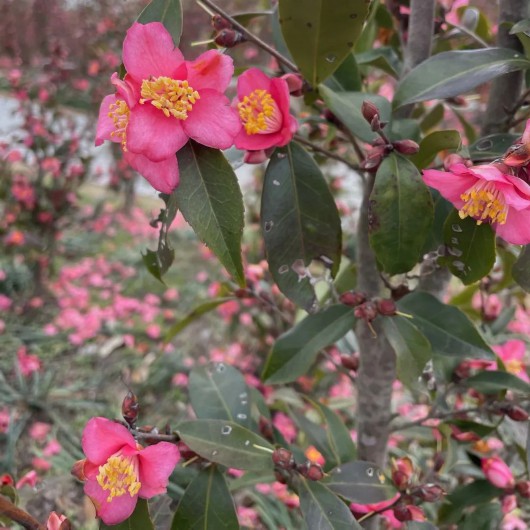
x=5, y=302
x=39, y=430
x=5, y=419
x=54, y=521
x=41, y=464
x=29, y=479
x=488, y=193
x=53, y=447
x=27, y=363
x=263, y=106
x=164, y=101
x=285, y=425
x=248, y=517
x=512, y=353
x=118, y=470
x=180, y=379
x=497, y=472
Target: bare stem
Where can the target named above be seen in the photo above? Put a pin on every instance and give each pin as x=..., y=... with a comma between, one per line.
x=18, y=515
x=250, y=36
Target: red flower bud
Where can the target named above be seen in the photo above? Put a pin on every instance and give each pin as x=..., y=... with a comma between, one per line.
x=498, y=472
x=311, y=470
x=367, y=311
x=6, y=480
x=352, y=298
x=402, y=470
x=265, y=428
x=401, y=513
x=295, y=82
x=375, y=123
x=283, y=458
x=78, y=470
x=219, y=23
x=515, y=413
x=228, y=38
x=243, y=293
x=351, y=362
x=369, y=110
x=523, y=488
x=130, y=408
x=185, y=452
x=386, y=307
x=429, y=492
x=406, y=147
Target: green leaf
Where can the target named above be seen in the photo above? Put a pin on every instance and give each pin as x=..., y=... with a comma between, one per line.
x=295, y=351
x=226, y=443
x=401, y=214
x=521, y=269
x=448, y=329
x=158, y=261
x=492, y=146
x=245, y=18
x=360, y=482
x=494, y=381
x=384, y=58
x=321, y=33
x=195, y=314
x=346, y=77
x=412, y=348
x=210, y=200
x=347, y=107
x=322, y=510
x=300, y=222
x=470, y=248
x=432, y=118
x=139, y=519
x=169, y=12
x=432, y=144
x=452, y=73
x=486, y=517
x=206, y=504
x=442, y=208
x=218, y=391
x=469, y=129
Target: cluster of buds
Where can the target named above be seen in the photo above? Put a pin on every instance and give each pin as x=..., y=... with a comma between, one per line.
x=285, y=465
x=382, y=146
x=367, y=309
x=227, y=36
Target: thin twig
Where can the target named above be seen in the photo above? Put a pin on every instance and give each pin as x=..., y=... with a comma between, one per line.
x=18, y=515
x=250, y=36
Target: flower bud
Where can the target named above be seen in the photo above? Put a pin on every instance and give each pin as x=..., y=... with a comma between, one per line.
x=78, y=470
x=402, y=513
x=219, y=23
x=185, y=452
x=523, y=488
x=515, y=413
x=402, y=470
x=228, y=38
x=295, y=82
x=350, y=362
x=369, y=110
x=352, y=298
x=453, y=158
x=243, y=293
x=375, y=124
x=497, y=472
x=429, y=492
x=367, y=311
x=406, y=147
x=311, y=470
x=283, y=458
x=130, y=408
x=386, y=307
x=265, y=428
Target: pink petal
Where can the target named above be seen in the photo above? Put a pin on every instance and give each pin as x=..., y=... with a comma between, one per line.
x=250, y=80
x=516, y=192
x=516, y=230
x=210, y=70
x=212, y=121
x=163, y=175
x=526, y=134
x=256, y=142
x=280, y=92
x=156, y=463
x=152, y=134
x=105, y=124
x=485, y=172
x=126, y=90
x=113, y=512
x=102, y=438
x=148, y=50
x=450, y=186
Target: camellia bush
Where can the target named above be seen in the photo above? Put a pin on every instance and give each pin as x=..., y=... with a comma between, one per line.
x=376, y=286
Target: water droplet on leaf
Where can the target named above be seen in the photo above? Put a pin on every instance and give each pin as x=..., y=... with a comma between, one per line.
x=268, y=226
x=370, y=471
x=283, y=269
x=276, y=182
x=226, y=430
x=220, y=368
x=241, y=416
x=456, y=228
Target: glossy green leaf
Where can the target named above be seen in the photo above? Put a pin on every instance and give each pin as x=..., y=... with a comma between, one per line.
x=158, y=261
x=210, y=200
x=300, y=222
x=169, y=12
x=206, y=504
x=448, y=329
x=321, y=33
x=521, y=269
x=218, y=391
x=494, y=381
x=200, y=310
x=139, y=519
x=432, y=144
x=346, y=77
x=347, y=107
x=384, y=58
x=442, y=209
x=360, y=482
x=487, y=516
x=491, y=146
x=295, y=351
x=432, y=118
x=226, y=443
x=322, y=510
x=470, y=248
x=401, y=214
x=412, y=348
x=452, y=73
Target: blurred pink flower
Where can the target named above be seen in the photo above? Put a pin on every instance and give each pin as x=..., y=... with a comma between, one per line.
x=27, y=364
x=41, y=464
x=512, y=354
x=53, y=447
x=29, y=479
x=118, y=470
x=263, y=105
x=39, y=431
x=285, y=425
x=497, y=472
x=513, y=522
x=5, y=419
x=54, y=521
x=488, y=194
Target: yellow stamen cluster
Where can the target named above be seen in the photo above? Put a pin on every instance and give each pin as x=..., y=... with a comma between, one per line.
x=256, y=110
x=119, y=113
x=484, y=202
x=173, y=97
x=514, y=366
x=120, y=476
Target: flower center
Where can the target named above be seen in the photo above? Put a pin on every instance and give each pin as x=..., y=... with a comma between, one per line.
x=484, y=202
x=259, y=113
x=173, y=97
x=514, y=366
x=120, y=476
x=119, y=113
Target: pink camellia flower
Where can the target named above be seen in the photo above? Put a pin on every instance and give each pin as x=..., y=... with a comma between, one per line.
x=163, y=102
x=497, y=472
x=488, y=194
x=29, y=479
x=118, y=470
x=512, y=354
x=263, y=105
x=55, y=522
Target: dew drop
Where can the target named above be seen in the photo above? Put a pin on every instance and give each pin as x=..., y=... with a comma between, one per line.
x=331, y=58
x=456, y=228
x=226, y=430
x=215, y=453
x=338, y=470
x=283, y=269
x=370, y=471
x=276, y=182
x=220, y=368
x=247, y=442
x=241, y=416
x=268, y=226
x=243, y=395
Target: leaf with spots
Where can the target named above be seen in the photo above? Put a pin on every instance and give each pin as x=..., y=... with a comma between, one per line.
x=300, y=222
x=206, y=504
x=321, y=33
